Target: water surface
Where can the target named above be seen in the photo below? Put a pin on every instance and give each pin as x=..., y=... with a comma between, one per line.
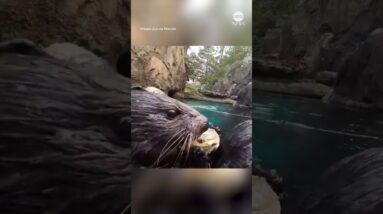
x=301, y=137
x=224, y=116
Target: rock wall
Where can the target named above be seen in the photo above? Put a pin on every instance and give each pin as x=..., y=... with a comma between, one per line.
x=360, y=80
x=324, y=31
x=237, y=82
x=159, y=66
x=82, y=22
x=331, y=39
x=351, y=21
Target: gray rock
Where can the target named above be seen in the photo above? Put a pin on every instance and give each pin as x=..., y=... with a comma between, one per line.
x=159, y=66
x=326, y=77
x=279, y=40
x=278, y=68
x=271, y=43
x=244, y=94
x=350, y=21
x=316, y=55
x=307, y=89
x=237, y=82
x=101, y=26
x=360, y=78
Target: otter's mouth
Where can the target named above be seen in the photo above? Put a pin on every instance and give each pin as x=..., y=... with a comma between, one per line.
x=184, y=142
x=208, y=141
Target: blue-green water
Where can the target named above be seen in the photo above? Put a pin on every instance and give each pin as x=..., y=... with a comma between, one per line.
x=301, y=137
x=221, y=115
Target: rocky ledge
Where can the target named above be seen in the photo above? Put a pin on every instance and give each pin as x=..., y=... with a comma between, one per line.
x=304, y=88
x=265, y=200
x=197, y=96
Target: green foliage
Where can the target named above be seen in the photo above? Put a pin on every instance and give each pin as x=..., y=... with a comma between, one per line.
x=212, y=62
x=190, y=90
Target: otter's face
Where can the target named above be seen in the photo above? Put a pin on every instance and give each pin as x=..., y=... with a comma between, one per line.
x=163, y=128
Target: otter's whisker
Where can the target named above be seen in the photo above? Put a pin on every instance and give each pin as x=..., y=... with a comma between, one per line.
x=180, y=133
x=183, y=148
x=187, y=145
x=171, y=145
x=169, y=142
x=168, y=148
x=163, y=166
x=190, y=140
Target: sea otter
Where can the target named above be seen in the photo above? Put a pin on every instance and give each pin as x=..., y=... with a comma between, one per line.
x=64, y=136
x=163, y=129
x=168, y=133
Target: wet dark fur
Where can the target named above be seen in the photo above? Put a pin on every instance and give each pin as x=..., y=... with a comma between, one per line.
x=64, y=137
x=236, y=148
x=159, y=120
x=352, y=186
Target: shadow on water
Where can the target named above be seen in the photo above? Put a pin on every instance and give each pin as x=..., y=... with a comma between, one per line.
x=301, y=137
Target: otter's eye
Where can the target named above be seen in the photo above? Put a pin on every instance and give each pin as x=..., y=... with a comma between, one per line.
x=172, y=113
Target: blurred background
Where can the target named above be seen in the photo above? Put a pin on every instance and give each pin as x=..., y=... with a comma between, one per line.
x=191, y=22
x=169, y=191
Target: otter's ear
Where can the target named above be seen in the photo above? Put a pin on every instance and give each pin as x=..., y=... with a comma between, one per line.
x=137, y=87
x=21, y=46
x=154, y=90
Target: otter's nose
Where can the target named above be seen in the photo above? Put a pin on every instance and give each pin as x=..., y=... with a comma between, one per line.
x=202, y=125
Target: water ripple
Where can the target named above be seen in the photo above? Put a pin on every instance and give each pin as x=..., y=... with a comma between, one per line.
x=304, y=126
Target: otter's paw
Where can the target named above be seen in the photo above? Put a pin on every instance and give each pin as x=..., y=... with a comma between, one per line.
x=200, y=159
x=208, y=142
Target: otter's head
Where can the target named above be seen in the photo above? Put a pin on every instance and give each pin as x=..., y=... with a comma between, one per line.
x=163, y=129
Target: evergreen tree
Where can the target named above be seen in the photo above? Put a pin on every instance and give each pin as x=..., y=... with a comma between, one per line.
x=212, y=62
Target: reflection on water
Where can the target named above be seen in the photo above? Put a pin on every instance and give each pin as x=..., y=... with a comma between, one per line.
x=301, y=137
